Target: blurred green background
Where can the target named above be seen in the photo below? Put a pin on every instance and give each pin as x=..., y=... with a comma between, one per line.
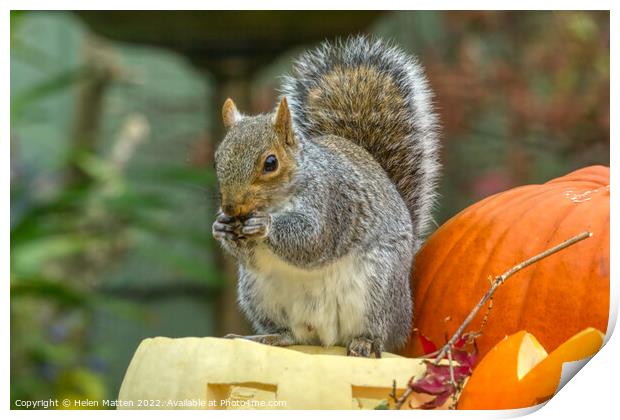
x=115, y=116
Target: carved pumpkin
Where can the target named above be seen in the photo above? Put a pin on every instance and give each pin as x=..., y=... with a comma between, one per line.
x=220, y=373
x=517, y=372
x=552, y=299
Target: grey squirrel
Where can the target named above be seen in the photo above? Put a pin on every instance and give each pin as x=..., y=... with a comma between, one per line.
x=325, y=201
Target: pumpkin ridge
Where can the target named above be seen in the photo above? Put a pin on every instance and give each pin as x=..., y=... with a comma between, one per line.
x=508, y=229
x=592, y=273
x=471, y=233
x=590, y=281
x=419, y=293
x=594, y=243
x=556, y=227
x=465, y=233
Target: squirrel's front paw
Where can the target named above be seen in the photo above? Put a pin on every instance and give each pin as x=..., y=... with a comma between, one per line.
x=225, y=227
x=256, y=226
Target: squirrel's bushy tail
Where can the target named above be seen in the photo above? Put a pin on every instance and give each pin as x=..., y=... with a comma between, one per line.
x=377, y=96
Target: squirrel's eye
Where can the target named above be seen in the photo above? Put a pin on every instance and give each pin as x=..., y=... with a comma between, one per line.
x=271, y=163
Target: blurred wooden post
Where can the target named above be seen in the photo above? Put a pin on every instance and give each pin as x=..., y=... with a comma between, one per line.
x=101, y=69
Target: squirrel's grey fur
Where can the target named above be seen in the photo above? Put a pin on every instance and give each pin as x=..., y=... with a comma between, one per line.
x=325, y=250
x=402, y=137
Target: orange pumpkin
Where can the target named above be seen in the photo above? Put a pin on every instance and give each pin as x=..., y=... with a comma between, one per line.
x=517, y=372
x=552, y=299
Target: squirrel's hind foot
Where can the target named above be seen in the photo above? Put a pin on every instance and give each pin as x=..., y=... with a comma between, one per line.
x=364, y=347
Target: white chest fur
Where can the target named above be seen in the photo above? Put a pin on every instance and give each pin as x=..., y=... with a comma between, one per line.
x=322, y=306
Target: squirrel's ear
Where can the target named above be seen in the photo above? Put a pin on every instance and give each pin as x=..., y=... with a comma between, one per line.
x=284, y=123
x=230, y=115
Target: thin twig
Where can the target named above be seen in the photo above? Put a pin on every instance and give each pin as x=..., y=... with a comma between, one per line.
x=429, y=355
x=453, y=381
x=393, y=393
x=500, y=280
x=485, y=318
x=447, y=348
x=451, y=368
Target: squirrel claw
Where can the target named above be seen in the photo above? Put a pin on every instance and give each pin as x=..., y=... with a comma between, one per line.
x=223, y=231
x=256, y=226
x=363, y=347
x=225, y=228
